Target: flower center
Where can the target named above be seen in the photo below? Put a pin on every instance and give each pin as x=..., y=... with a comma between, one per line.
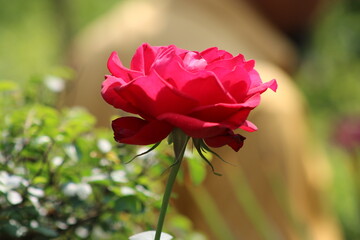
x=194, y=62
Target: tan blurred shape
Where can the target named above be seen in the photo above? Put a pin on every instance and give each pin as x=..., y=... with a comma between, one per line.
x=277, y=190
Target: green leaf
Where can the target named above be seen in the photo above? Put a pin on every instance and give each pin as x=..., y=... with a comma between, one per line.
x=199, y=145
x=9, y=229
x=129, y=204
x=6, y=86
x=197, y=170
x=47, y=232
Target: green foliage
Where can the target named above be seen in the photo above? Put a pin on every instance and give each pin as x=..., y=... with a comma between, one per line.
x=36, y=34
x=331, y=68
x=330, y=80
x=62, y=178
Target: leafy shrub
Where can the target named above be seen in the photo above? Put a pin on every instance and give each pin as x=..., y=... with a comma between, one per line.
x=62, y=178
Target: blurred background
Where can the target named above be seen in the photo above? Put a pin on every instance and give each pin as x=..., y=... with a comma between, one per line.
x=36, y=38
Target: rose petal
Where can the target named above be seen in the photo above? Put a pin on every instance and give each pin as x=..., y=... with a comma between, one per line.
x=237, y=119
x=248, y=126
x=237, y=83
x=214, y=54
x=147, y=55
x=235, y=141
x=228, y=63
x=206, y=89
x=193, y=127
x=263, y=87
x=133, y=130
x=222, y=111
x=112, y=97
x=144, y=58
x=189, y=83
x=152, y=96
x=117, y=69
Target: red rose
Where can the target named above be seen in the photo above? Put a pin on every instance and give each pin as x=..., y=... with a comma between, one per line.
x=206, y=94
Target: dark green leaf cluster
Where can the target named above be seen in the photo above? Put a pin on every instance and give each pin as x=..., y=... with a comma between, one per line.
x=62, y=178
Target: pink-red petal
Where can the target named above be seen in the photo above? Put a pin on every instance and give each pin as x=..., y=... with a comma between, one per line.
x=133, y=130
x=222, y=111
x=198, y=85
x=237, y=83
x=214, y=54
x=263, y=87
x=193, y=127
x=144, y=58
x=235, y=141
x=112, y=97
x=152, y=96
x=248, y=126
x=117, y=69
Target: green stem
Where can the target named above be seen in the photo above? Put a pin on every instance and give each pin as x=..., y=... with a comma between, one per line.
x=179, y=140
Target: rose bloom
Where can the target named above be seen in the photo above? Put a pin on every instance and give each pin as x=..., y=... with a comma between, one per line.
x=206, y=94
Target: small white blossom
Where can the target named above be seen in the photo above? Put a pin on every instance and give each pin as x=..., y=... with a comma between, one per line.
x=104, y=145
x=95, y=177
x=71, y=152
x=54, y=83
x=9, y=182
x=37, y=192
x=104, y=162
x=83, y=190
x=14, y=197
x=71, y=220
x=70, y=189
x=42, y=140
x=82, y=232
x=57, y=161
x=21, y=231
x=127, y=191
x=61, y=225
x=99, y=233
x=119, y=176
x=34, y=224
x=144, y=191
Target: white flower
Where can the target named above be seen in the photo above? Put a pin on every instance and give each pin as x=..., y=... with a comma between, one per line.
x=95, y=177
x=43, y=140
x=61, y=225
x=104, y=162
x=119, y=176
x=99, y=233
x=9, y=182
x=71, y=220
x=57, y=161
x=54, y=83
x=70, y=189
x=34, y=224
x=21, y=231
x=82, y=232
x=127, y=191
x=144, y=191
x=150, y=235
x=83, y=190
x=71, y=152
x=37, y=192
x=104, y=145
x=14, y=197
